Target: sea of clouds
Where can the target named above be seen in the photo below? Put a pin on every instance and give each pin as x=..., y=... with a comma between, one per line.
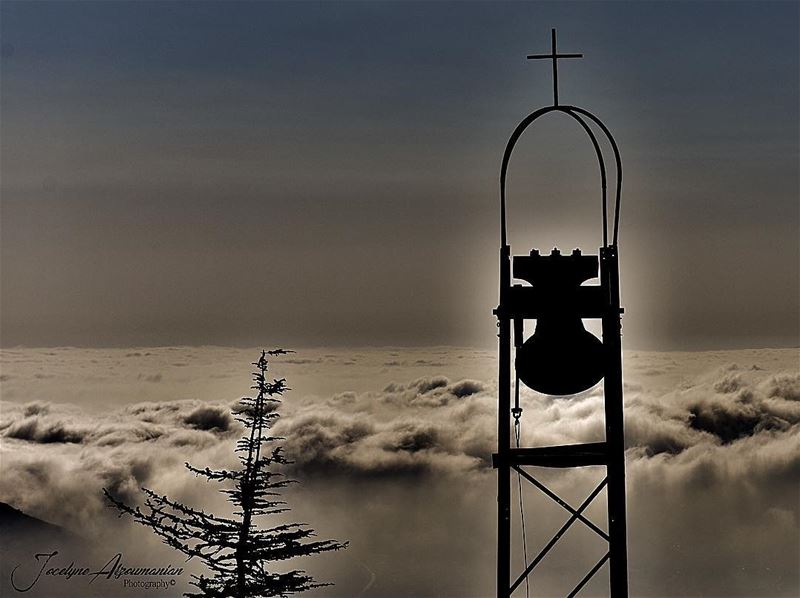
x=393, y=451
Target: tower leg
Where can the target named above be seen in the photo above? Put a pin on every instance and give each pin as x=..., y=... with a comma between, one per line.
x=503, y=470
x=617, y=529
x=615, y=431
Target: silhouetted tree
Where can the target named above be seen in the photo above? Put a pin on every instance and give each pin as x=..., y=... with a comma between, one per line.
x=238, y=552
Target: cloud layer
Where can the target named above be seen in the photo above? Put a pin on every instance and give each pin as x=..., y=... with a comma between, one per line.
x=713, y=441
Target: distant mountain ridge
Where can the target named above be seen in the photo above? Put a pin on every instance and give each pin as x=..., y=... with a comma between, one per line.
x=22, y=537
x=15, y=522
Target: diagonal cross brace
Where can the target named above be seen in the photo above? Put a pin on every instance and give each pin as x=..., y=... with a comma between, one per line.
x=575, y=515
x=563, y=503
x=589, y=575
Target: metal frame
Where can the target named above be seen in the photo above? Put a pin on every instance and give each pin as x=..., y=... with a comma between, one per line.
x=601, y=302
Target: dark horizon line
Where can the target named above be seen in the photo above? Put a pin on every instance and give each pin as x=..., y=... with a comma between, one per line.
x=344, y=346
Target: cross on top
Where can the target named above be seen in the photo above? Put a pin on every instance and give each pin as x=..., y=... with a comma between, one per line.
x=554, y=56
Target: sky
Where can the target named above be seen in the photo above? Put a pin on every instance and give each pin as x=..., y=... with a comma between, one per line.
x=325, y=174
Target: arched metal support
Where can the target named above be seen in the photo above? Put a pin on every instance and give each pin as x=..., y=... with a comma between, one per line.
x=574, y=112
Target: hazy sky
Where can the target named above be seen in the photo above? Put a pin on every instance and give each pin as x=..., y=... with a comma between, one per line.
x=326, y=173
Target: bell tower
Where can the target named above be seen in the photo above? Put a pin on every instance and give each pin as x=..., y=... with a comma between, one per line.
x=562, y=358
